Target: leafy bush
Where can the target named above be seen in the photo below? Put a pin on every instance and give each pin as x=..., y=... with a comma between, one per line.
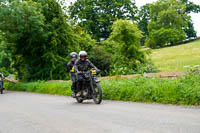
x=4, y=71
x=101, y=59
x=128, y=57
x=5, y=56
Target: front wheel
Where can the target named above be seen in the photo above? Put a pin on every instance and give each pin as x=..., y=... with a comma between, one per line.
x=79, y=99
x=97, y=95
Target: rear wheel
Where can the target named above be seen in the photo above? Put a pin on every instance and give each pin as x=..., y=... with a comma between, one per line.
x=97, y=95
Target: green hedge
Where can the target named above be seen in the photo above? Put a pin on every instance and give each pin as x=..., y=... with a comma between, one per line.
x=184, y=91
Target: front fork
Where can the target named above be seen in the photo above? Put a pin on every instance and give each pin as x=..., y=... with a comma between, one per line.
x=92, y=87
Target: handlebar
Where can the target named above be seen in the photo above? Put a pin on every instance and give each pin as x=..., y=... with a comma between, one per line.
x=87, y=72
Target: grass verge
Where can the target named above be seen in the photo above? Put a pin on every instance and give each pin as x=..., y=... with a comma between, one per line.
x=184, y=91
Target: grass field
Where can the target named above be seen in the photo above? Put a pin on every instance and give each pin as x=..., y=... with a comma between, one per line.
x=177, y=58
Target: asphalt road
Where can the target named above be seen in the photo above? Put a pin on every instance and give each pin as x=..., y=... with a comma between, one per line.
x=22, y=112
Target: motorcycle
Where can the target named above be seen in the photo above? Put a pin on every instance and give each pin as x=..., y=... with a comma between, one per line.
x=1, y=85
x=91, y=88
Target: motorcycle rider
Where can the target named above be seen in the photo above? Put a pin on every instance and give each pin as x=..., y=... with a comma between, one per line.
x=82, y=65
x=70, y=68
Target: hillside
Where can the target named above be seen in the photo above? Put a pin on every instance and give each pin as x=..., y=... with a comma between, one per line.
x=177, y=58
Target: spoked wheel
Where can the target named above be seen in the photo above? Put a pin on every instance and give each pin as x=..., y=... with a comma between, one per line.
x=97, y=95
x=79, y=99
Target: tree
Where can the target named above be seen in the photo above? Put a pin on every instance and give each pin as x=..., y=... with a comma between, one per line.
x=40, y=38
x=144, y=18
x=126, y=35
x=191, y=8
x=189, y=30
x=97, y=16
x=19, y=21
x=144, y=15
x=125, y=38
x=5, y=56
x=168, y=21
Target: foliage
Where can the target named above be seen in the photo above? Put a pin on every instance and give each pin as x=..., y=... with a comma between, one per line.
x=177, y=58
x=126, y=36
x=184, y=91
x=154, y=90
x=162, y=37
x=97, y=16
x=125, y=42
x=83, y=40
x=191, y=8
x=101, y=58
x=4, y=71
x=41, y=38
x=168, y=19
x=189, y=30
x=144, y=18
x=24, y=20
x=5, y=56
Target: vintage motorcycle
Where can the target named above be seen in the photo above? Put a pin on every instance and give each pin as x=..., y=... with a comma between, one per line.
x=90, y=87
x=1, y=83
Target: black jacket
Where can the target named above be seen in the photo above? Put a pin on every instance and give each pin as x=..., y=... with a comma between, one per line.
x=83, y=65
x=69, y=66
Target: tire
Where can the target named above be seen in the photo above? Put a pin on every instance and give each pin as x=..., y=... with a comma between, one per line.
x=97, y=96
x=79, y=100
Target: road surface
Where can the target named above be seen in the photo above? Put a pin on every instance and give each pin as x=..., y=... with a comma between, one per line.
x=22, y=112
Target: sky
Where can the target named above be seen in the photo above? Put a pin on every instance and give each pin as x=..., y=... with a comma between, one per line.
x=195, y=16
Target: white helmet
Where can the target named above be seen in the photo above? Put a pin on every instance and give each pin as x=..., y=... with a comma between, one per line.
x=82, y=53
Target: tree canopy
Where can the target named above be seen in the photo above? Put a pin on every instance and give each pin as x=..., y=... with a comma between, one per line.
x=190, y=7
x=41, y=38
x=97, y=16
x=168, y=21
x=124, y=41
x=144, y=18
x=5, y=56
